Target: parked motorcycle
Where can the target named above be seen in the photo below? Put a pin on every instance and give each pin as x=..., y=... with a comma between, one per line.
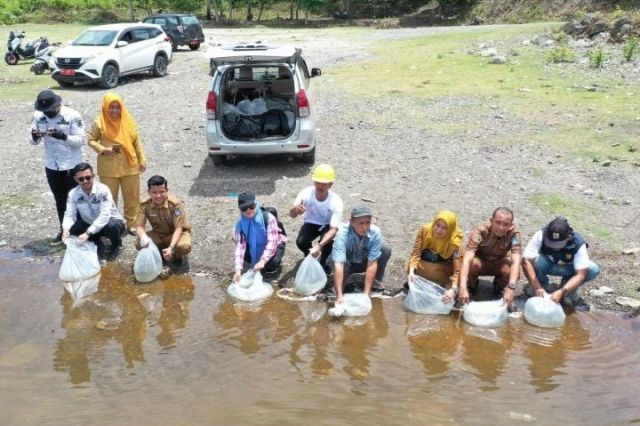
x=15, y=51
x=41, y=63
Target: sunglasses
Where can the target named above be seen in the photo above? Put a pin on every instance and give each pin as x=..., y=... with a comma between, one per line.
x=251, y=207
x=84, y=178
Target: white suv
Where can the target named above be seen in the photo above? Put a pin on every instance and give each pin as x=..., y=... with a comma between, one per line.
x=105, y=53
x=260, y=102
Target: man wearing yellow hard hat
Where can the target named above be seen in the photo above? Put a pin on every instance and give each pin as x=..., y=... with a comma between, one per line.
x=322, y=210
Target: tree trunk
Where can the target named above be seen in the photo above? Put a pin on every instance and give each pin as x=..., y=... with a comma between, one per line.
x=297, y=9
x=291, y=10
x=131, y=16
x=260, y=11
x=208, y=10
x=306, y=17
x=249, y=10
x=347, y=7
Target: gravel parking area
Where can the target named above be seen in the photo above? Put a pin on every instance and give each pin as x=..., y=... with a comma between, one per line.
x=405, y=174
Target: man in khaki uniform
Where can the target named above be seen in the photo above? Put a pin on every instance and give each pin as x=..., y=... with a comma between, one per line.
x=494, y=248
x=170, y=229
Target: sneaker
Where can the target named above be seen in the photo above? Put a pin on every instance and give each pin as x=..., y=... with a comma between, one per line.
x=57, y=240
x=132, y=231
x=115, y=252
x=378, y=287
x=166, y=271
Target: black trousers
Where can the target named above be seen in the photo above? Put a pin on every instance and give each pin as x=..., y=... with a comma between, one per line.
x=60, y=182
x=112, y=230
x=308, y=233
x=273, y=264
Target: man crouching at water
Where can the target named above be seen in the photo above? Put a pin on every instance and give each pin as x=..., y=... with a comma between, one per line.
x=170, y=229
x=91, y=212
x=359, y=247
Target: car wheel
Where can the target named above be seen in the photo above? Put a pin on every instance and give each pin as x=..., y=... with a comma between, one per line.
x=38, y=68
x=309, y=157
x=218, y=160
x=194, y=46
x=174, y=45
x=160, y=66
x=11, y=58
x=110, y=76
x=65, y=83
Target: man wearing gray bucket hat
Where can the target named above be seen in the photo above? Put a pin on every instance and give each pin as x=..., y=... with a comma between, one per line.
x=61, y=130
x=359, y=247
x=557, y=250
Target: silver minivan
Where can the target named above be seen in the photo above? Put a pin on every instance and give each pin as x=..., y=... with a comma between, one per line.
x=260, y=102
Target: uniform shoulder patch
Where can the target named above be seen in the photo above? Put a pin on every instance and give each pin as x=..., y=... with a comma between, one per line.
x=477, y=238
x=177, y=212
x=515, y=241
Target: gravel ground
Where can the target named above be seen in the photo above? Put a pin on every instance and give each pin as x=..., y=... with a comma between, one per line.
x=405, y=173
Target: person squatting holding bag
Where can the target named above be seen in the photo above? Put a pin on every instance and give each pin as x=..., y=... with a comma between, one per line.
x=114, y=137
x=61, y=130
x=322, y=210
x=91, y=212
x=258, y=238
x=170, y=229
x=359, y=247
x=437, y=253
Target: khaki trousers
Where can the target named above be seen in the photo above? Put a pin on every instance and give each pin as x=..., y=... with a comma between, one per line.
x=438, y=272
x=499, y=268
x=130, y=186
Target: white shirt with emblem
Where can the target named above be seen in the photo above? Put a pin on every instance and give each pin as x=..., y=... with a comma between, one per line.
x=580, y=260
x=327, y=212
x=59, y=154
x=95, y=208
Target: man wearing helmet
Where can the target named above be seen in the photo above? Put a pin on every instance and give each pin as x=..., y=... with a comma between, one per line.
x=322, y=210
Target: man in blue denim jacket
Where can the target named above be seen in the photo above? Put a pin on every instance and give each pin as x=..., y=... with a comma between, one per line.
x=359, y=247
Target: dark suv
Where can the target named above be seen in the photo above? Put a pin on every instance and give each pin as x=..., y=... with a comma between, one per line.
x=183, y=29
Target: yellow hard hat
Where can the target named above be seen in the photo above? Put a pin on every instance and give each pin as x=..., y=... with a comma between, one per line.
x=324, y=173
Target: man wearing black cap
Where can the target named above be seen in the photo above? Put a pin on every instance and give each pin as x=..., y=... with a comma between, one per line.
x=558, y=251
x=62, y=131
x=359, y=247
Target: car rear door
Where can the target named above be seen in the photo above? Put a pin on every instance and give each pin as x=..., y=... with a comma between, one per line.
x=146, y=47
x=128, y=53
x=192, y=28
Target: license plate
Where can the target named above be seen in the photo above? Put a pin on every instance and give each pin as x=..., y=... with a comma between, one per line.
x=68, y=72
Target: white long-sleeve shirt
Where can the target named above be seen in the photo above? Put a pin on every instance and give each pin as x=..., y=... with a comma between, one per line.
x=95, y=208
x=59, y=154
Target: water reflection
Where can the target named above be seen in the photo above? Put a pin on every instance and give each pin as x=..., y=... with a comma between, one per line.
x=312, y=340
x=434, y=341
x=547, y=350
x=485, y=350
x=119, y=312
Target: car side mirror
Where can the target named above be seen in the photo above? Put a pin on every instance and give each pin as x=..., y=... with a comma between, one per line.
x=122, y=43
x=316, y=72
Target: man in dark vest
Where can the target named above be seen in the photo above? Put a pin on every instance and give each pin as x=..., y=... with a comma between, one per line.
x=557, y=250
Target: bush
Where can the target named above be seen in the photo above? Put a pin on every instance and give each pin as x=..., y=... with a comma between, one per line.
x=597, y=57
x=630, y=48
x=561, y=53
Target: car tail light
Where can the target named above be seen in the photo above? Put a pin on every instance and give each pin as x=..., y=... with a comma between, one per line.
x=212, y=100
x=303, y=104
x=167, y=38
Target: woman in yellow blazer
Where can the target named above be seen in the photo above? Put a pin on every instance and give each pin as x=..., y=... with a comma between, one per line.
x=114, y=137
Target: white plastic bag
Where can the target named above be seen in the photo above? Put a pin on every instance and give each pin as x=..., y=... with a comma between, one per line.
x=256, y=291
x=544, y=312
x=425, y=297
x=492, y=313
x=353, y=305
x=255, y=107
x=310, y=277
x=148, y=264
x=81, y=289
x=80, y=261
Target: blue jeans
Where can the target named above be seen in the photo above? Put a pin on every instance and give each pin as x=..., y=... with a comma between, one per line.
x=544, y=267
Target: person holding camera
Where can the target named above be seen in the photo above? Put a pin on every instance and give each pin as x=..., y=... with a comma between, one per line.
x=114, y=137
x=61, y=130
x=437, y=253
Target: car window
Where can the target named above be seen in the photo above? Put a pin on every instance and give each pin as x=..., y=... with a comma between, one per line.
x=173, y=20
x=128, y=37
x=141, y=34
x=154, y=32
x=149, y=21
x=95, y=38
x=305, y=72
x=189, y=20
x=160, y=21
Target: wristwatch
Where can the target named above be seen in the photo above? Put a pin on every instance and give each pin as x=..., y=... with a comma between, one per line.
x=512, y=286
x=88, y=233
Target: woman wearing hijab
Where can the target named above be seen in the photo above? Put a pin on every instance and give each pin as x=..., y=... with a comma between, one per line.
x=437, y=253
x=259, y=240
x=114, y=137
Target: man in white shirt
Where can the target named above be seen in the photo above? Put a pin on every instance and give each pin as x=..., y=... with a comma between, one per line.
x=61, y=131
x=91, y=212
x=322, y=210
x=557, y=250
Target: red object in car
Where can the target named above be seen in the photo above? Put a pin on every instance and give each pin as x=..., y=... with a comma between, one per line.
x=212, y=101
x=303, y=104
x=67, y=72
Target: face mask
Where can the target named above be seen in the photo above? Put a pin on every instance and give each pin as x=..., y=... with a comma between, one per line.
x=51, y=114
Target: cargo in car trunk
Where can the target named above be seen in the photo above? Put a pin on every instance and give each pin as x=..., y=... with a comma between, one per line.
x=257, y=102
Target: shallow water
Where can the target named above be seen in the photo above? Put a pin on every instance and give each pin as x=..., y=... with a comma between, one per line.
x=179, y=352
